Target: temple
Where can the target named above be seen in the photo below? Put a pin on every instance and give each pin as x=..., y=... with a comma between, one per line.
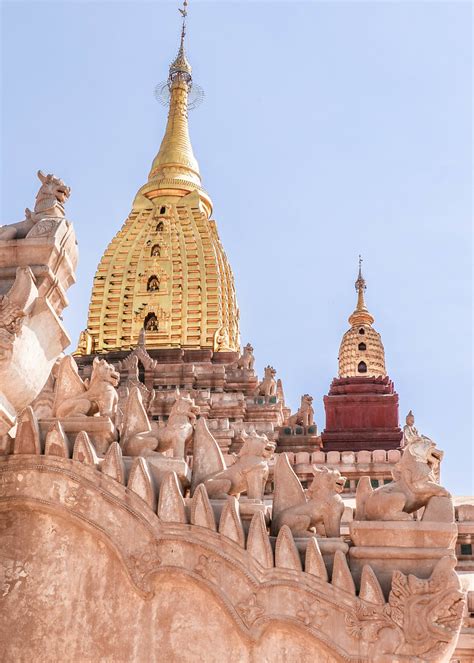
x=160, y=501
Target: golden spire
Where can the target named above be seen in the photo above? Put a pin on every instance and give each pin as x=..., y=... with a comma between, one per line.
x=361, y=353
x=165, y=273
x=175, y=170
x=361, y=315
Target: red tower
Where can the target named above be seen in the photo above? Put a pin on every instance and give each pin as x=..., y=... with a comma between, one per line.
x=362, y=405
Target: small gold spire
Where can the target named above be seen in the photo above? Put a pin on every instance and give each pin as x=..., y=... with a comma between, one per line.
x=361, y=314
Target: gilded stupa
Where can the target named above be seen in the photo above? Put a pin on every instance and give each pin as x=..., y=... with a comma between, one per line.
x=165, y=271
x=361, y=352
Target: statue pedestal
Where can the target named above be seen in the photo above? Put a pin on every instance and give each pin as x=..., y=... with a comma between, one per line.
x=247, y=509
x=328, y=547
x=101, y=430
x=298, y=438
x=408, y=546
x=160, y=466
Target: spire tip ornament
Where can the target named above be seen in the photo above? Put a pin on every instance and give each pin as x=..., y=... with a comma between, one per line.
x=180, y=69
x=361, y=314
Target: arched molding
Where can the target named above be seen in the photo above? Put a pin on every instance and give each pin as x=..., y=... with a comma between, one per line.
x=255, y=598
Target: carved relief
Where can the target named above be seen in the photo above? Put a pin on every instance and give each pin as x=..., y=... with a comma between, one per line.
x=144, y=562
x=312, y=613
x=250, y=610
x=11, y=319
x=207, y=567
x=420, y=622
x=15, y=573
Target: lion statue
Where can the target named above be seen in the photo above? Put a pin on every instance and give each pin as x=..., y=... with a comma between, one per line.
x=246, y=360
x=50, y=200
x=317, y=511
x=248, y=474
x=413, y=487
x=139, y=437
x=305, y=414
x=76, y=398
x=268, y=386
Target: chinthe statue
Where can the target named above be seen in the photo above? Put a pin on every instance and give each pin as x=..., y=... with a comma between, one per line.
x=50, y=200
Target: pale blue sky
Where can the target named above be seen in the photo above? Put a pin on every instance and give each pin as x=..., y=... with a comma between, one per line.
x=328, y=129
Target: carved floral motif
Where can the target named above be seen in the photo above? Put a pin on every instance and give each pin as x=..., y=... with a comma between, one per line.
x=207, y=567
x=312, y=613
x=11, y=319
x=250, y=609
x=145, y=562
x=15, y=573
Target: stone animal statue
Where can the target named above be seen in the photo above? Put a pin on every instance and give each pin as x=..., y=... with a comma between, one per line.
x=248, y=474
x=268, y=386
x=77, y=398
x=305, y=414
x=317, y=511
x=50, y=200
x=246, y=360
x=139, y=437
x=413, y=486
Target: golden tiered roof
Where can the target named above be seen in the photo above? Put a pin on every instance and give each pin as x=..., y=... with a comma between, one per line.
x=361, y=352
x=166, y=270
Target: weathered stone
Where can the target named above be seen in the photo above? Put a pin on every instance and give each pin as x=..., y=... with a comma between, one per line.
x=258, y=541
x=171, y=507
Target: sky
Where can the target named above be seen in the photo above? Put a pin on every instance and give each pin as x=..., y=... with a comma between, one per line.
x=328, y=129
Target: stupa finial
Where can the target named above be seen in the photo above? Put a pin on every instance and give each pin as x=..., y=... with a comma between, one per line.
x=175, y=170
x=361, y=314
x=180, y=65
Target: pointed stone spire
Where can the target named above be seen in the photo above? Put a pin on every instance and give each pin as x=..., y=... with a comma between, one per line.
x=361, y=315
x=175, y=170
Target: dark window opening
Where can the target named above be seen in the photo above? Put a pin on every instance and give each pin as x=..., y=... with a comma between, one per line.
x=160, y=227
x=162, y=210
x=155, y=251
x=362, y=367
x=151, y=323
x=153, y=284
x=361, y=331
x=141, y=372
x=362, y=346
x=374, y=483
x=466, y=548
